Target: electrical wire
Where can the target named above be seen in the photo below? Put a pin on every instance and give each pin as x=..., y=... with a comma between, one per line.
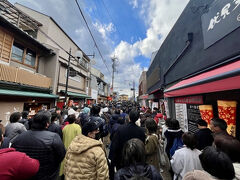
x=95, y=43
x=104, y=4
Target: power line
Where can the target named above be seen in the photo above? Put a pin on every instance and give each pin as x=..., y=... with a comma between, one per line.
x=95, y=43
x=104, y=4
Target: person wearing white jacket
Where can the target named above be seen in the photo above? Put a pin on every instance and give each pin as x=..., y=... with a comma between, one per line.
x=187, y=158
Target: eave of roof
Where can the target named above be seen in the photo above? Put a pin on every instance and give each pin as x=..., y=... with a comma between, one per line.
x=3, y=21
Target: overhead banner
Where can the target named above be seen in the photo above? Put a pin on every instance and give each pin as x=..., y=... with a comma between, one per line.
x=222, y=18
x=189, y=100
x=227, y=111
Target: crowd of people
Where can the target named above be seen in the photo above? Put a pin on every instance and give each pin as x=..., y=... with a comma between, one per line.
x=114, y=141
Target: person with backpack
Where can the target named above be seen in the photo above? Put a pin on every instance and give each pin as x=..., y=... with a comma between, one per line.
x=173, y=136
x=186, y=159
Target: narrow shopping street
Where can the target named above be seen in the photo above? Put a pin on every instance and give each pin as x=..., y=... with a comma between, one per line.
x=119, y=90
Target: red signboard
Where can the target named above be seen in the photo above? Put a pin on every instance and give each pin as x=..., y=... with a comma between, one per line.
x=189, y=100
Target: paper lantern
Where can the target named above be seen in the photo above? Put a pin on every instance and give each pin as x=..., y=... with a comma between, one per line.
x=206, y=112
x=227, y=111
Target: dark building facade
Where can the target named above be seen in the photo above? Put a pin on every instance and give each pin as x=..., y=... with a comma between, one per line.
x=197, y=65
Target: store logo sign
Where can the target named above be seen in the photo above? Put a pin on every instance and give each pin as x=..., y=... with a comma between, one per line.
x=222, y=18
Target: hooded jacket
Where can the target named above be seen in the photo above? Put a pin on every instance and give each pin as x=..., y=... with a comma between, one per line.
x=152, y=151
x=46, y=147
x=140, y=170
x=16, y=165
x=85, y=159
x=170, y=136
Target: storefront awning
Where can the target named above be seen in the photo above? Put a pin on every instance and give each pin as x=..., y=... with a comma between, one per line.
x=26, y=94
x=76, y=95
x=220, y=79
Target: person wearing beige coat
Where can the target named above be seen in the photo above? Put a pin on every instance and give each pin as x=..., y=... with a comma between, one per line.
x=85, y=158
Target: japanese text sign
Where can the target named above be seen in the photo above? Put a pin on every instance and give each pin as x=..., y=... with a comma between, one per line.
x=222, y=18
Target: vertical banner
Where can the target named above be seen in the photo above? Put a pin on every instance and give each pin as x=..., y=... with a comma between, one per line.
x=154, y=105
x=181, y=116
x=206, y=112
x=227, y=111
x=166, y=108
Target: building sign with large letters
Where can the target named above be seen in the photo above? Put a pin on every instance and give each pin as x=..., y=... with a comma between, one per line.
x=222, y=18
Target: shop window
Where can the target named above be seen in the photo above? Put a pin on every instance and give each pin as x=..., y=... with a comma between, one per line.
x=30, y=58
x=17, y=52
x=23, y=55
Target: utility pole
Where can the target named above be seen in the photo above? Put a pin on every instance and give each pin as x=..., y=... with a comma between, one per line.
x=133, y=91
x=113, y=70
x=68, y=68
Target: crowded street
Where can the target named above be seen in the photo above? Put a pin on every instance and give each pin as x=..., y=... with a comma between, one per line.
x=119, y=90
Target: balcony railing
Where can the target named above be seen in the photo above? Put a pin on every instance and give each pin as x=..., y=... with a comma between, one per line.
x=17, y=75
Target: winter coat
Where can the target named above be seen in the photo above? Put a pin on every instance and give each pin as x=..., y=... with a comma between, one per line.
x=85, y=159
x=45, y=146
x=103, y=128
x=56, y=129
x=185, y=160
x=147, y=171
x=24, y=122
x=198, y=175
x=12, y=130
x=16, y=165
x=152, y=151
x=113, y=120
x=170, y=135
x=204, y=138
x=70, y=131
x=123, y=134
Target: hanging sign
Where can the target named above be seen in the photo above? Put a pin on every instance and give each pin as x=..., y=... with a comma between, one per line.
x=227, y=111
x=206, y=112
x=193, y=114
x=222, y=18
x=189, y=100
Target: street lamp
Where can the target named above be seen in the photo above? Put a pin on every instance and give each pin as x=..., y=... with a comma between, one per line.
x=133, y=88
x=78, y=55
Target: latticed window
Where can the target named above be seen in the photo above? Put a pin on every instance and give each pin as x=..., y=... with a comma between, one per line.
x=6, y=41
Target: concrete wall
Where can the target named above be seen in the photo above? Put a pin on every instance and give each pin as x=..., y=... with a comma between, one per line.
x=7, y=108
x=93, y=83
x=62, y=80
x=49, y=66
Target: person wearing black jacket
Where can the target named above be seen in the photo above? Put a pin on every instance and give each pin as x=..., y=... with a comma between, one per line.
x=43, y=145
x=94, y=116
x=134, y=163
x=122, y=135
x=204, y=135
x=53, y=127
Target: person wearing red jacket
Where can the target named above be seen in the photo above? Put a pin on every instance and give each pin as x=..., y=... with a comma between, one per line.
x=16, y=165
x=157, y=117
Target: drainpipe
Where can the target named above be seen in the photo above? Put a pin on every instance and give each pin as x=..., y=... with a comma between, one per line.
x=188, y=43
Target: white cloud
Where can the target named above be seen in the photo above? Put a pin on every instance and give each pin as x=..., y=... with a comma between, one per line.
x=134, y=3
x=159, y=16
x=104, y=29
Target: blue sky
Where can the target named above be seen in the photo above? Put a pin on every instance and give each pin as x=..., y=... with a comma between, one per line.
x=129, y=29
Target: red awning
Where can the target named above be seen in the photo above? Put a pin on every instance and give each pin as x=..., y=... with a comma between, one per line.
x=220, y=79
